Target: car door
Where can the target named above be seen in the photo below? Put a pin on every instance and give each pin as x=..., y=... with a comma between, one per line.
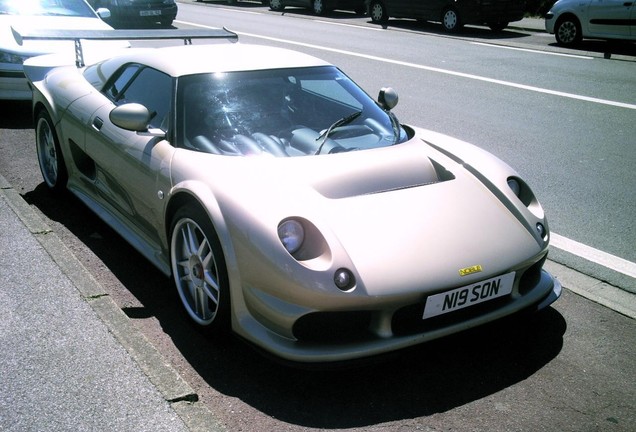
x=129, y=165
x=609, y=18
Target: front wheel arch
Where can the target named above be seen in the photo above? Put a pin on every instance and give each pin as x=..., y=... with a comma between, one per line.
x=567, y=30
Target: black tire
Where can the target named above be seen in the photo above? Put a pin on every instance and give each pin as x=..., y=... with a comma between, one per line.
x=318, y=7
x=199, y=271
x=49, y=153
x=451, y=21
x=377, y=12
x=498, y=26
x=276, y=5
x=567, y=31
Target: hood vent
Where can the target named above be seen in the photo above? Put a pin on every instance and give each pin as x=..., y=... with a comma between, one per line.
x=384, y=172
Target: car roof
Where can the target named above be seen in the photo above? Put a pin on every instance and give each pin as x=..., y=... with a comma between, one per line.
x=209, y=58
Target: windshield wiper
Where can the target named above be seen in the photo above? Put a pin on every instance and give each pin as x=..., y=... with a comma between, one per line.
x=341, y=122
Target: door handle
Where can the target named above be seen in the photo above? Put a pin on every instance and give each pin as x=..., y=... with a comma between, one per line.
x=98, y=123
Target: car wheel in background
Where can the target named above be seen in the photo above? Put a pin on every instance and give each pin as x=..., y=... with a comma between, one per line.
x=568, y=31
x=451, y=20
x=198, y=269
x=318, y=6
x=49, y=153
x=276, y=5
x=377, y=11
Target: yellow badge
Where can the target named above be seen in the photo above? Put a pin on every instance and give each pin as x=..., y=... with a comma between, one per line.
x=470, y=270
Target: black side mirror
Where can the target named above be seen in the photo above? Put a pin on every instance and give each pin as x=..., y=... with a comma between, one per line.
x=388, y=98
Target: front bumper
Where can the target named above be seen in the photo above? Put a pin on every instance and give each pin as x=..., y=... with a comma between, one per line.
x=327, y=337
x=550, y=21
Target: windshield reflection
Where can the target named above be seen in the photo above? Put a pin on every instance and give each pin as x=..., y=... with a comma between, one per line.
x=285, y=112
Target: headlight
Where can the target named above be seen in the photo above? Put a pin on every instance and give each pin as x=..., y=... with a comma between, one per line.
x=291, y=234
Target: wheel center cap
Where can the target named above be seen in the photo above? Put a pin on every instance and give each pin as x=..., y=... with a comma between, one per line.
x=197, y=270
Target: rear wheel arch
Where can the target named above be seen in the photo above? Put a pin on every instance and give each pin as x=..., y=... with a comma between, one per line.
x=49, y=151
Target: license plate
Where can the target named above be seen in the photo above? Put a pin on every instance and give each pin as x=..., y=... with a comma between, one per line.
x=468, y=295
x=149, y=12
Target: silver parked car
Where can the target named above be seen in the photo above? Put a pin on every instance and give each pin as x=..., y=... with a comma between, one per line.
x=41, y=14
x=572, y=20
x=287, y=204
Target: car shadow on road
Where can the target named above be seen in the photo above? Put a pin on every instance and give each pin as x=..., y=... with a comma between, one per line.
x=608, y=48
x=469, y=31
x=421, y=381
x=15, y=115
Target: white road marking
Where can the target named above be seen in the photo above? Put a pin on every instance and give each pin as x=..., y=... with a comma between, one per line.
x=351, y=25
x=605, y=259
x=533, y=51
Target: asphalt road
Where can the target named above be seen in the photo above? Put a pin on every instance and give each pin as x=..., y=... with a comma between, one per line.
x=569, y=369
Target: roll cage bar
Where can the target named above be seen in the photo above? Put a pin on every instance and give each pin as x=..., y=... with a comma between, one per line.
x=78, y=35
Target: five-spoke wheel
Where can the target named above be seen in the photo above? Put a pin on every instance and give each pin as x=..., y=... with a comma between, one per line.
x=198, y=268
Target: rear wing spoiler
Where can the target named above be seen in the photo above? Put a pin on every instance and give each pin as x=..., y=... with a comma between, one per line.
x=78, y=35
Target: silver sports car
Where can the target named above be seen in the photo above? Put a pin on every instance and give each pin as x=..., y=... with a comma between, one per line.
x=288, y=205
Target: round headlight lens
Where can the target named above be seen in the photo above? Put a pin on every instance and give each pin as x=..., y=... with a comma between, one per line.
x=291, y=234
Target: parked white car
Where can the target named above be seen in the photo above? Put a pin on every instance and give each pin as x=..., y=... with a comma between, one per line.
x=24, y=15
x=572, y=20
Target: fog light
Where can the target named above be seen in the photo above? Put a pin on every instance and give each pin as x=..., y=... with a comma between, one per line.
x=344, y=279
x=541, y=229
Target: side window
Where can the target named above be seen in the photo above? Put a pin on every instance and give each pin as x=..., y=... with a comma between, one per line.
x=113, y=90
x=145, y=86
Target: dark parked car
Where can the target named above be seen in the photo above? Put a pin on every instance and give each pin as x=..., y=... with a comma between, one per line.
x=453, y=14
x=319, y=7
x=127, y=12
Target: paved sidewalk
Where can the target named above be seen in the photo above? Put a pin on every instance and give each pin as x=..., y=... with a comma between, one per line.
x=63, y=365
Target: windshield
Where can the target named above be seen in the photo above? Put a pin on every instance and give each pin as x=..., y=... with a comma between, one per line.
x=74, y=8
x=284, y=112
